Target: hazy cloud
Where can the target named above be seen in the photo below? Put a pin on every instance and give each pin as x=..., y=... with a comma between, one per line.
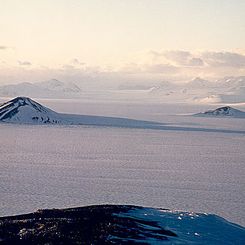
x=160, y=68
x=196, y=62
x=183, y=58
x=76, y=61
x=224, y=59
x=151, y=66
x=73, y=64
x=3, y=47
x=24, y=63
x=131, y=68
x=68, y=67
x=211, y=59
x=179, y=57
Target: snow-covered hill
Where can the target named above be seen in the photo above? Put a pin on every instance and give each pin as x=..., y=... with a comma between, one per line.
x=225, y=111
x=23, y=110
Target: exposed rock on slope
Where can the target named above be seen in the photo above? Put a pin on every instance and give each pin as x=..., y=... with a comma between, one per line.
x=88, y=225
x=25, y=110
x=225, y=111
x=116, y=224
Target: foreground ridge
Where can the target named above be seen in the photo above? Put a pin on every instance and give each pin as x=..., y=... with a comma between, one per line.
x=117, y=224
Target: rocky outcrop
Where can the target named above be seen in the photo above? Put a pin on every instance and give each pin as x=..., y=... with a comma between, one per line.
x=104, y=224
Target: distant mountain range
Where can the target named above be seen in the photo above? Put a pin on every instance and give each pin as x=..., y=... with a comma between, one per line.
x=198, y=90
x=47, y=89
x=225, y=90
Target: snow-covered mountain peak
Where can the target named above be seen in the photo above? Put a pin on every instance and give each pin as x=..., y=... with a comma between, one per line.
x=24, y=101
x=53, y=83
x=25, y=110
x=59, y=86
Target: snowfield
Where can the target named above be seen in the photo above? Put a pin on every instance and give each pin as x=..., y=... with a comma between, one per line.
x=194, y=164
x=23, y=110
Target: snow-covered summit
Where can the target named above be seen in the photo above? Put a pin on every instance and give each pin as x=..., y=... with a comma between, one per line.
x=225, y=111
x=25, y=110
x=59, y=86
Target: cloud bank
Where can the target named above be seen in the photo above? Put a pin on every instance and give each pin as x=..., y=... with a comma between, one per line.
x=24, y=63
x=225, y=59
x=173, y=65
x=3, y=47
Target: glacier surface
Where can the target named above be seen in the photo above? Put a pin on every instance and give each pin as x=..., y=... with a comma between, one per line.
x=45, y=166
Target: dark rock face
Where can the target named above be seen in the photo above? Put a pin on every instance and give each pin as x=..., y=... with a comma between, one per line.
x=225, y=111
x=10, y=108
x=220, y=111
x=26, y=110
x=104, y=224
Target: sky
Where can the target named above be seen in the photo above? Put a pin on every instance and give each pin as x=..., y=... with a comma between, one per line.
x=171, y=39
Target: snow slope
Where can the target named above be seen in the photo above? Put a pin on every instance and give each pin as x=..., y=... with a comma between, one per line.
x=225, y=111
x=188, y=227
x=177, y=169
x=24, y=110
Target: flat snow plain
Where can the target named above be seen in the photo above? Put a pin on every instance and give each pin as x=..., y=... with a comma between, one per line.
x=66, y=166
